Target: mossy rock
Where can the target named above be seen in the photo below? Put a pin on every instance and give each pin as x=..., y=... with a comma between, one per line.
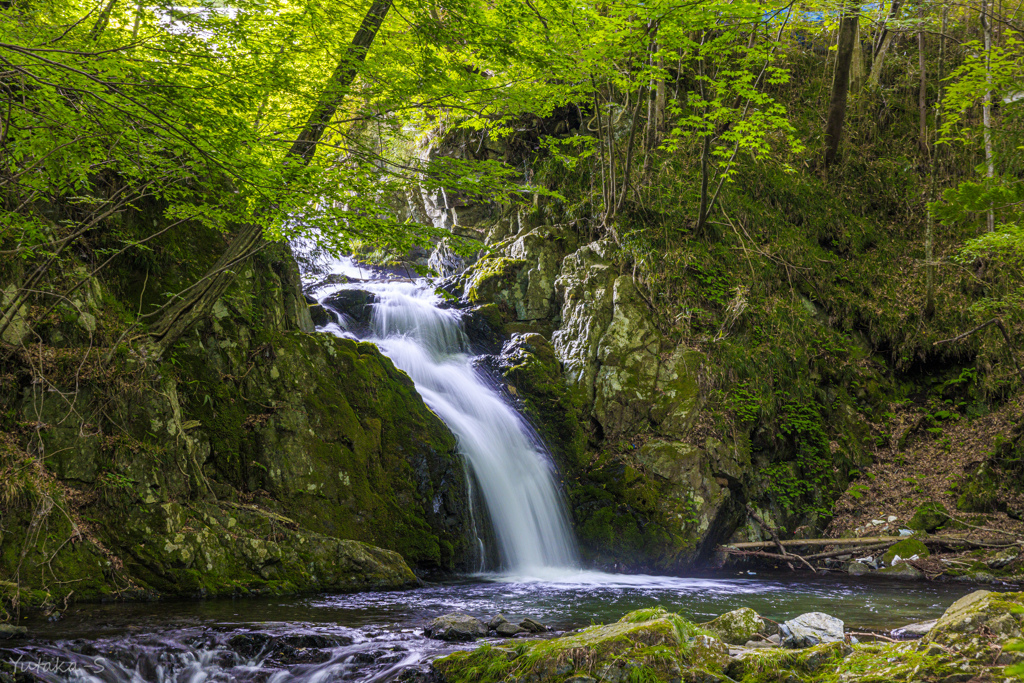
x=929, y=517
x=980, y=622
x=906, y=549
x=649, y=645
x=781, y=665
x=736, y=627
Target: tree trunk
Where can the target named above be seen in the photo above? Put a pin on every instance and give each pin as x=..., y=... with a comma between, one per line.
x=885, y=39
x=922, y=94
x=857, y=65
x=840, y=83
x=197, y=301
x=986, y=108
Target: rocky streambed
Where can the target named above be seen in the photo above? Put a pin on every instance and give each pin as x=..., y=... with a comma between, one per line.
x=978, y=638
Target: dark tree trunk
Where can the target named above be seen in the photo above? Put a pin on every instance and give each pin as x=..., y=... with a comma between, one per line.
x=840, y=83
x=922, y=95
x=196, y=302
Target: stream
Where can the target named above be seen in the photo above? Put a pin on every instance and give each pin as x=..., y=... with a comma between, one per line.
x=375, y=636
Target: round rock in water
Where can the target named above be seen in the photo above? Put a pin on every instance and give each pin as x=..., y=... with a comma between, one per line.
x=456, y=628
x=813, y=628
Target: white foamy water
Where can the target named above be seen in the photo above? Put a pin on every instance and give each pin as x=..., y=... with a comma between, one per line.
x=515, y=476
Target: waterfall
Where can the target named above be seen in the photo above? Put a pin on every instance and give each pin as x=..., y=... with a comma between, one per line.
x=514, y=474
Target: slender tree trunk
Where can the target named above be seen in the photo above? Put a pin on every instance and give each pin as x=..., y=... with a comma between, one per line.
x=882, y=46
x=702, y=210
x=929, y=235
x=195, y=303
x=986, y=108
x=857, y=65
x=922, y=93
x=651, y=131
x=840, y=83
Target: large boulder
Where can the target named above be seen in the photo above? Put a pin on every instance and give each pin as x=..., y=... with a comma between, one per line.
x=979, y=622
x=810, y=629
x=456, y=627
x=736, y=627
x=648, y=645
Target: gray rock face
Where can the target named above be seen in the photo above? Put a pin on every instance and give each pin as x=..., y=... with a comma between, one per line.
x=456, y=628
x=810, y=629
x=631, y=375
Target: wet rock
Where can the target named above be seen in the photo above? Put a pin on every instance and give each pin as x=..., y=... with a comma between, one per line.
x=509, y=630
x=484, y=328
x=533, y=626
x=858, y=569
x=356, y=305
x=317, y=313
x=495, y=620
x=284, y=650
x=249, y=645
x=456, y=628
x=915, y=630
x=902, y=571
x=736, y=627
x=416, y=675
x=316, y=641
x=8, y=631
x=812, y=628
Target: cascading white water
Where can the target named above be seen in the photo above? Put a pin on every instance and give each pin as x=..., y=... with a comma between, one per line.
x=515, y=476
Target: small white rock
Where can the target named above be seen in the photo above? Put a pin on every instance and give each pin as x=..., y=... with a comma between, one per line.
x=891, y=518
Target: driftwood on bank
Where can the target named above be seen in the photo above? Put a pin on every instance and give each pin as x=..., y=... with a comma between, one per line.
x=847, y=546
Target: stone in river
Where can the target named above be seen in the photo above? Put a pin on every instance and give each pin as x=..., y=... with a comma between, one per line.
x=533, y=626
x=810, y=629
x=915, y=630
x=507, y=629
x=858, y=569
x=456, y=628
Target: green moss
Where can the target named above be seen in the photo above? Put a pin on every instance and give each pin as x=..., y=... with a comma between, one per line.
x=929, y=517
x=649, y=645
x=490, y=274
x=906, y=549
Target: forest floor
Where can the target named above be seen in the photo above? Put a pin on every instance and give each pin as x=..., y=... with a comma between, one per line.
x=917, y=466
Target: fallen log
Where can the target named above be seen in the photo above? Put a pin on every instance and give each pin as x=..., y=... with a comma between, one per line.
x=871, y=540
x=753, y=545
x=844, y=551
